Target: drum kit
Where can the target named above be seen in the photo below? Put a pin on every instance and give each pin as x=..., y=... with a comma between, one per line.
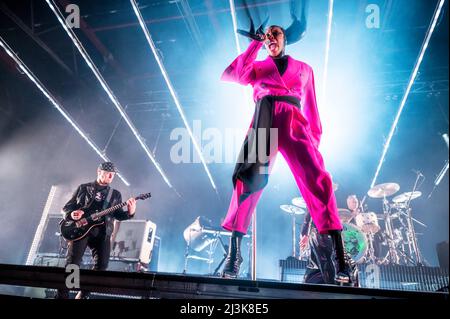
x=362, y=229
x=399, y=234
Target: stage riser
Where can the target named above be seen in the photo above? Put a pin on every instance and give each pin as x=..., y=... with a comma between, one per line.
x=396, y=277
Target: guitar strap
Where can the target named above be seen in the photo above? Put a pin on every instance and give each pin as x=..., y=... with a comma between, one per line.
x=108, y=198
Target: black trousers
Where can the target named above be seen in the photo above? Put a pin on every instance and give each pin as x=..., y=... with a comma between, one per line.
x=321, y=266
x=100, y=245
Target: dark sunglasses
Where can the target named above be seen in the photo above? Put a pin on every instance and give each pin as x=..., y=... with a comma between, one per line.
x=275, y=33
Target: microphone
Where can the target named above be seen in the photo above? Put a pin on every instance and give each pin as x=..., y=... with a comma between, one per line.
x=418, y=173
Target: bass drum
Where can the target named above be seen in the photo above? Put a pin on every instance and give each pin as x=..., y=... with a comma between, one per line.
x=355, y=242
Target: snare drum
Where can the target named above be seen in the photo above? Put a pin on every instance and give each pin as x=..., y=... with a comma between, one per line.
x=345, y=215
x=355, y=242
x=367, y=222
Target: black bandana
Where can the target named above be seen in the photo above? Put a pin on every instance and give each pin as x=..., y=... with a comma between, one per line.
x=108, y=167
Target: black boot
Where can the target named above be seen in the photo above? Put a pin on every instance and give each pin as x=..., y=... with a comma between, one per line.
x=344, y=264
x=234, y=259
x=353, y=269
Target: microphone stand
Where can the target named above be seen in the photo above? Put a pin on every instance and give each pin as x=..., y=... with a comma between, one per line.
x=412, y=238
x=443, y=170
x=439, y=178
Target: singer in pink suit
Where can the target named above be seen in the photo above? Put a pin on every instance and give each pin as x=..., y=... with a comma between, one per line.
x=285, y=97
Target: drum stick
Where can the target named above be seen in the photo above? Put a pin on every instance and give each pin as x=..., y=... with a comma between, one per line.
x=361, y=204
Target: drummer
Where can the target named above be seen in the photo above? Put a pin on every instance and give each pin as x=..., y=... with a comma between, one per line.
x=353, y=205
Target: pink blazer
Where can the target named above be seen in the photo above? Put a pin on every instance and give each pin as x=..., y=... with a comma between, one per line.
x=297, y=81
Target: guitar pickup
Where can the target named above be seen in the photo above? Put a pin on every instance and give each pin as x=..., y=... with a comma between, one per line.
x=81, y=223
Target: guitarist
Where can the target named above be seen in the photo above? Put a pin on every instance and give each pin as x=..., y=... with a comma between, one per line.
x=91, y=197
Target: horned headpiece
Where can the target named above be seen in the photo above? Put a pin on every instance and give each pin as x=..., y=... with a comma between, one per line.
x=293, y=33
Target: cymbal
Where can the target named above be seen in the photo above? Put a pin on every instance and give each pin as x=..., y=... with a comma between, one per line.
x=383, y=190
x=299, y=202
x=292, y=209
x=406, y=196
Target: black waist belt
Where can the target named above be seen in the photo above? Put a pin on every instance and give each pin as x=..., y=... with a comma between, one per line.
x=283, y=98
x=250, y=172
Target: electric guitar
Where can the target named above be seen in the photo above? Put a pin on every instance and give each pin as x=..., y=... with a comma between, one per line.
x=72, y=230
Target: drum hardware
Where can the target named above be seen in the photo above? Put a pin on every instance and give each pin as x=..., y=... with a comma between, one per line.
x=195, y=236
x=225, y=254
x=406, y=197
x=201, y=236
x=371, y=250
x=345, y=215
x=395, y=215
x=400, y=205
x=382, y=191
x=197, y=240
x=401, y=253
x=299, y=202
x=293, y=211
x=412, y=239
x=411, y=236
x=401, y=238
x=398, y=234
x=400, y=248
x=401, y=212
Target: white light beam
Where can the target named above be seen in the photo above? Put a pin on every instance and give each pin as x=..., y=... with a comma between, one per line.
x=171, y=89
x=107, y=89
x=408, y=89
x=55, y=103
x=233, y=17
x=327, y=50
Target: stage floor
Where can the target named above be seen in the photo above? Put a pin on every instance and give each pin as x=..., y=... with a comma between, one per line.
x=39, y=282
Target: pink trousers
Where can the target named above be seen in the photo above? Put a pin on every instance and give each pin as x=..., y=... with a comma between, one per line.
x=305, y=162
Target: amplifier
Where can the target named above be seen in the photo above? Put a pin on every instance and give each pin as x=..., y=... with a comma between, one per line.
x=133, y=240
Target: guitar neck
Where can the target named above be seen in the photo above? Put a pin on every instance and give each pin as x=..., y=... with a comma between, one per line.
x=118, y=206
x=109, y=210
